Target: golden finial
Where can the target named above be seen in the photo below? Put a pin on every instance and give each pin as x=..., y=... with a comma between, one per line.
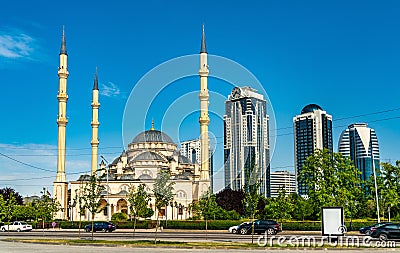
x=152, y=125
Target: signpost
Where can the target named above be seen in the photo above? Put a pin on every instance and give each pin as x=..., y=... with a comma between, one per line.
x=332, y=224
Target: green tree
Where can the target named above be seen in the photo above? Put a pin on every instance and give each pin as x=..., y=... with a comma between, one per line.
x=92, y=192
x=138, y=200
x=301, y=207
x=2, y=208
x=330, y=179
x=46, y=207
x=25, y=212
x=9, y=206
x=281, y=207
x=5, y=192
x=163, y=193
x=388, y=183
x=207, y=207
x=79, y=203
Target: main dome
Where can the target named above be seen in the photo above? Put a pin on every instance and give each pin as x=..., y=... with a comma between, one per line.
x=152, y=136
x=311, y=108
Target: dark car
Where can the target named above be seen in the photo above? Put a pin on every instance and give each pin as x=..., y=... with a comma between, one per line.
x=100, y=226
x=271, y=227
x=388, y=231
x=368, y=229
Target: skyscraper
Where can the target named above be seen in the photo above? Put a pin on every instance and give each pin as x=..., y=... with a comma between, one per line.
x=312, y=131
x=359, y=142
x=282, y=180
x=246, y=138
x=192, y=150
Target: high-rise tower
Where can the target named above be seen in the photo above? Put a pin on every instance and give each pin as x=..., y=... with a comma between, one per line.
x=204, y=120
x=246, y=141
x=95, y=124
x=359, y=142
x=312, y=131
x=61, y=185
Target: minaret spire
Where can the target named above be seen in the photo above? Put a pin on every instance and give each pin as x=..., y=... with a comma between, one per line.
x=95, y=124
x=203, y=48
x=61, y=185
x=204, y=119
x=152, y=125
x=63, y=49
x=96, y=81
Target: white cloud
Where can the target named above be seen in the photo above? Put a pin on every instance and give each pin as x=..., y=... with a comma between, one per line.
x=16, y=44
x=110, y=90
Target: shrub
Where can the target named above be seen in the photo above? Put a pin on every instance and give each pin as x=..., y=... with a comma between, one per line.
x=116, y=217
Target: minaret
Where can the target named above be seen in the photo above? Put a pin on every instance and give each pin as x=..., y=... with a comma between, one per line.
x=61, y=185
x=95, y=124
x=204, y=120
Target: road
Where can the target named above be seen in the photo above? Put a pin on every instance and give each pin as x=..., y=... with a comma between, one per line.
x=285, y=238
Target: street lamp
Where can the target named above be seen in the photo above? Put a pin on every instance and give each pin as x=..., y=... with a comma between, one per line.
x=376, y=185
x=351, y=212
x=108, y=198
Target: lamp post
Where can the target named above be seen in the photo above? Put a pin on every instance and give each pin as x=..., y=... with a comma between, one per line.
x=172, y=209
x=176, y=205
x=376, y=185
x=351, y=212
x=108, y=198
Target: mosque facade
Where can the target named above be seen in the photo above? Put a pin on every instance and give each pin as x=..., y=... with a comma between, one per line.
x=148, y=153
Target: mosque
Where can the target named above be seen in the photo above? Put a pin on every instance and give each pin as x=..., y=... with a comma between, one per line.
x=148, y=153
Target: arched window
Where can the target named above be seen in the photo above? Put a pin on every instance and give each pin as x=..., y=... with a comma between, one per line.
x=180, y=194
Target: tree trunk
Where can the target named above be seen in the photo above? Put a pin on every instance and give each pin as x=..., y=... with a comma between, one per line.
x=92, y=226
x=155, y=237
x=134, y=226
x=43, y=227
x=206, y=230
x=79, y=226
x=252, y=230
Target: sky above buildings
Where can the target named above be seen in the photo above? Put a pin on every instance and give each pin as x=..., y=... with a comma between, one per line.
x=341, y=55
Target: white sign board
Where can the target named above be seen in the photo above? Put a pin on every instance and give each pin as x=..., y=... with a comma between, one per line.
x=333, y=221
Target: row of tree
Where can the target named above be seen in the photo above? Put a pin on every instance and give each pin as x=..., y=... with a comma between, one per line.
x=330, y=179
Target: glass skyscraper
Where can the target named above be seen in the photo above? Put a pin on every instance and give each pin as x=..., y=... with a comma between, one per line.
x=359, y=142
x=246, y=138
x=312, y=131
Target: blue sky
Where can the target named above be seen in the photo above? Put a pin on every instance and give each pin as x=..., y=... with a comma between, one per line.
x=342, y=55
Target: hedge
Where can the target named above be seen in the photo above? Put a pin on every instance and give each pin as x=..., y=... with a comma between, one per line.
x=200, y=224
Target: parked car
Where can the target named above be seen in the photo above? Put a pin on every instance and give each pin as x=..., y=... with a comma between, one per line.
x=16, y=226
x=100, y=226
x=387, y=231
x=271, y=227
x=234, y=229
x=368, y=229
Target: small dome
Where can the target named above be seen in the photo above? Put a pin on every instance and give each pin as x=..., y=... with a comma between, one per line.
x=184, y=159
x=84, y=178
x=310, y=108
x=148, y=156
x=145, y=177
x=152, y=136
x=126, y=177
